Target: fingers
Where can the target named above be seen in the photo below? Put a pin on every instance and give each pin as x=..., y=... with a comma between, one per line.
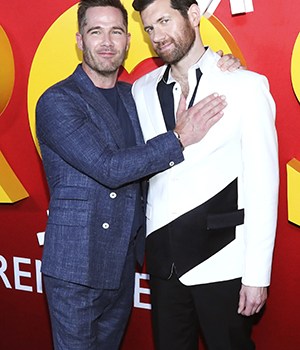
x=220, y=53
x=229, y=62
x=211, y=113
x=208, y=102
x=252, y=299
x=242, y=303
x=232, y=64
x=204, y=105
x=193, y=124
x=208, y=110
x=203, y=114
x=251, y=309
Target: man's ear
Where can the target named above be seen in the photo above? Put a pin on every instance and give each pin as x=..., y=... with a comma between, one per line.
x=128, y=41
x=79, y=41
x=194, y=14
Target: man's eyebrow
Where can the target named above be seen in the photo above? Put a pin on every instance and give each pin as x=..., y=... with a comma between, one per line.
x=157, y=21
x=99, y=27
x=93, y=28
x=119, y=28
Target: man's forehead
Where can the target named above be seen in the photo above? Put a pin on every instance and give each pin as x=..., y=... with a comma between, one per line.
x=157, y=11
x=107, y=15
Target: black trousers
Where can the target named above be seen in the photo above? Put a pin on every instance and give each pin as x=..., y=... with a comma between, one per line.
x=180, y=313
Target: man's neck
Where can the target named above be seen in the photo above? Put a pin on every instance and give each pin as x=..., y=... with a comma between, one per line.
x=100, y=80
x=180, y=70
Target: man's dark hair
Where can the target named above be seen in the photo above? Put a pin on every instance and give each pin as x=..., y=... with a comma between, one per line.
x=86, y=4
x=181, y=5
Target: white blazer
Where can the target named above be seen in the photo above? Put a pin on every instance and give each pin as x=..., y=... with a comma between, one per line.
x=243, y=145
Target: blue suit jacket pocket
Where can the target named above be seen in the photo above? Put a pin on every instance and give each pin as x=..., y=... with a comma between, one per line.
x=224, y=220
x=70, y=207
x=71, y=192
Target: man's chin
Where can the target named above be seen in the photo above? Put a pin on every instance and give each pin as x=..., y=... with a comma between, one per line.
x=167, y=58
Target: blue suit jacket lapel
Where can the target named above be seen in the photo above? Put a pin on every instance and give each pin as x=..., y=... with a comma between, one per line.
x=100, y=105
x=132, y=112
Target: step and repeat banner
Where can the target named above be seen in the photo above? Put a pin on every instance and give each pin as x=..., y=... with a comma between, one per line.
x=37, y=49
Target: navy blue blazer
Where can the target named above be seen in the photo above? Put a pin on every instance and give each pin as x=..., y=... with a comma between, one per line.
x=92, y=180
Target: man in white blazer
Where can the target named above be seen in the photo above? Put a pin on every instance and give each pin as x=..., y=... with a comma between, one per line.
x=211, y=220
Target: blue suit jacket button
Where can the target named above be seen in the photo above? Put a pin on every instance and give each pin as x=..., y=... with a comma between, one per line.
x=105, y=225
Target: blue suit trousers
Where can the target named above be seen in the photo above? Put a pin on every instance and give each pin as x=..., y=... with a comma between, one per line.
x=85, y=318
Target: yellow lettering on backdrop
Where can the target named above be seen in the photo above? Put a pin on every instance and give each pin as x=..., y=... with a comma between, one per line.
x=11, y=189
x=7, y=70
x=293, y=166
x=295, y=67
x=293, y=191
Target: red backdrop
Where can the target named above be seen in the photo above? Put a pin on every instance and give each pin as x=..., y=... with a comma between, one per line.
x=266, y=37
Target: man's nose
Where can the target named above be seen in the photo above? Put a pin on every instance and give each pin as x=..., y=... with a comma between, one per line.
x=106, y=39
x=158, y=35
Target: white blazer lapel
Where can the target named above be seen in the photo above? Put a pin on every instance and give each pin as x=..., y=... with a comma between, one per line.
x=148, y=106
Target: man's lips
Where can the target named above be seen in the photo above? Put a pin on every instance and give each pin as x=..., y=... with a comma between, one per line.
x=164, y=47
x=106, y=53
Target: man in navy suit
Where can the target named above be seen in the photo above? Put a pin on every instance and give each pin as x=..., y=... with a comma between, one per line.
x=94, y=157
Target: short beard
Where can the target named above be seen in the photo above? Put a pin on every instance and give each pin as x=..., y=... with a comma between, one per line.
x=105, y=71
x=183, y=45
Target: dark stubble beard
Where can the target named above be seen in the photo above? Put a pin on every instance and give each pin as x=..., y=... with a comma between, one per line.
x=105, y=70
x=182, y=45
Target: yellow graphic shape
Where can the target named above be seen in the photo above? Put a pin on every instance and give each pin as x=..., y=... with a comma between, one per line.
x=293, y=191
x=295, y=67
x=7, y=70
x=11, y=189
x=57, y=55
